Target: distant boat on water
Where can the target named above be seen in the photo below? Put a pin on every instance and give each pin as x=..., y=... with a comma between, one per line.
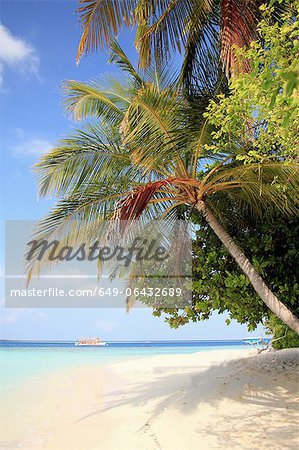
x=90, y=342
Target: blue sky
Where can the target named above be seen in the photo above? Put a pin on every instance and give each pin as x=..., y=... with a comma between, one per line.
x=38, y=41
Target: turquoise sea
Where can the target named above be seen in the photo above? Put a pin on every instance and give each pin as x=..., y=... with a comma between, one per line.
x=21, y=360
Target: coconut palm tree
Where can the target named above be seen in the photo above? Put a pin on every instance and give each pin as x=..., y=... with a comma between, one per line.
x=142, y=154
x=205, y=30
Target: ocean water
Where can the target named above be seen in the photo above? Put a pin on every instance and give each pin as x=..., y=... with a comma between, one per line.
x=22, y=360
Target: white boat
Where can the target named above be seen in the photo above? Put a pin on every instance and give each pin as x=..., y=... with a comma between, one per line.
x=91, y=342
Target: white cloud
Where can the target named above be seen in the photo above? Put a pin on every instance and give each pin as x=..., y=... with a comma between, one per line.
x=16, y=53
x=32, y=147
x=9, y=318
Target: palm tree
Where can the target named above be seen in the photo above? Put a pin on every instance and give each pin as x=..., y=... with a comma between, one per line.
x=207, y=30
x=144, y=155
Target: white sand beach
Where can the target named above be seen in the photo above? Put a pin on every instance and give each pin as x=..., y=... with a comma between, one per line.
x=226, y=399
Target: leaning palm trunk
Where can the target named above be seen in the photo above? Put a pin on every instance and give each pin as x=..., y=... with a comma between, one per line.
x=270, y=300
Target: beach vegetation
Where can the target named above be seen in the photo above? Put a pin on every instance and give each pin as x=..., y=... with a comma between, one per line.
x=263, y=106
x=150, y=151
x=219, y=286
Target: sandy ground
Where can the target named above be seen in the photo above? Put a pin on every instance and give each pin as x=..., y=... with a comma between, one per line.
x=208, y=400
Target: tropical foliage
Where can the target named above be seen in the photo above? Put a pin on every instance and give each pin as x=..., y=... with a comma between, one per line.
x=206, y=31
x=144, y=152
x=262, y=107
x=220, y=286
x=262, y=113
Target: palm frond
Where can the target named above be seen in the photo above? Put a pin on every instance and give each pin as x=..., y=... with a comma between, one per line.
x=91, y=99
x=208, y=31
x=152, y=122
x=263, y=188
x=118, y=57
x=93, y=153
x=162, y=75
x=239, y=20
x=163, y=27
x=77, y=218
x=201, y=72
x=101, y=20
x=132, y=206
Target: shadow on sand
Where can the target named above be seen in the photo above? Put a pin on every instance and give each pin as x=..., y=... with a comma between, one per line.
x=266, y=381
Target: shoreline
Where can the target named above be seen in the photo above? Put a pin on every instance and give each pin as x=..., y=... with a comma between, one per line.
x=222, y=399
x=97, y=357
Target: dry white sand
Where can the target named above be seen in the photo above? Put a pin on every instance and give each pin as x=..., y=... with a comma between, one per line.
x=226, y=399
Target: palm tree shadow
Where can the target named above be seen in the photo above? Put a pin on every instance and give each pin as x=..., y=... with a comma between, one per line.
x=262, y=380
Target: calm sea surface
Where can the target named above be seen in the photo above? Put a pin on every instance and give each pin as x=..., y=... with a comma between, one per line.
x=20, y=360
